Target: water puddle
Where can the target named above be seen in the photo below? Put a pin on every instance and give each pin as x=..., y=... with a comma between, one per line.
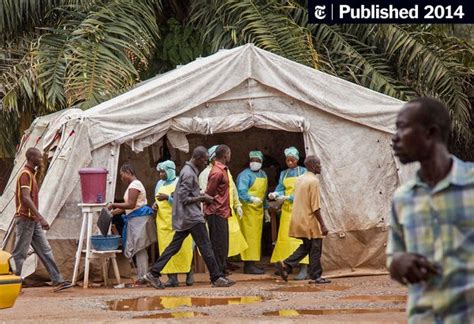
x=173, y=315
x=374, y=298
x=170, y=302
x=342, y=311
x=311, y=288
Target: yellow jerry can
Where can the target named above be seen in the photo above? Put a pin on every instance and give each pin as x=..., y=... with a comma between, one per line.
x=10, y=284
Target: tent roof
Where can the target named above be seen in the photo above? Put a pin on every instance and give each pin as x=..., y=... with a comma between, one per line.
x=127, y=116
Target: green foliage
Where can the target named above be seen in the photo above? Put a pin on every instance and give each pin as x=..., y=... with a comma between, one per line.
x=9, y=134
x=85, y=52
x=403, y=61
x=356, y=59
x=21, y=16
x=265, y=23
x=59, y=53
x=432, y=67
x=180, y=45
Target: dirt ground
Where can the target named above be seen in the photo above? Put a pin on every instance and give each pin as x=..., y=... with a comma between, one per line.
x=369, y=299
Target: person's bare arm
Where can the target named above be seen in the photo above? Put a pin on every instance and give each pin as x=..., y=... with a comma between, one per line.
x=28, y=203
x=318, y=216
x=131, y=203
x=117, y=211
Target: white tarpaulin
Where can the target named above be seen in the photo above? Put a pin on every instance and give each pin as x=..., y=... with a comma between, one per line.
x=349, y=127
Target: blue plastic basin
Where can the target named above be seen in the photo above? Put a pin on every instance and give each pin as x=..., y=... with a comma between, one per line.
x=105, y=243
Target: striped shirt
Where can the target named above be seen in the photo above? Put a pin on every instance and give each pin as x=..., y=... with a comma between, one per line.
x=438, y=222
x=26, y=180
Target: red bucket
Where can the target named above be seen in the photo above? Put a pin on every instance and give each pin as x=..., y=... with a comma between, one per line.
x=93, y=185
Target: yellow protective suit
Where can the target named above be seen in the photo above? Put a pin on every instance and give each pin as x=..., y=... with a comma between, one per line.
x=181, y=261
x=251, y=223
x=286, y=245
x=237, y=242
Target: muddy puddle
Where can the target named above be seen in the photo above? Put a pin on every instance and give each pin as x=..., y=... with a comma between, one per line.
x=375, y=298
x=342, y=311
x=170, y=302
x=172, y=315
x=311, y=288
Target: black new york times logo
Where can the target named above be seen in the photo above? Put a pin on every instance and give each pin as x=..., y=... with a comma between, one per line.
x=393, y=12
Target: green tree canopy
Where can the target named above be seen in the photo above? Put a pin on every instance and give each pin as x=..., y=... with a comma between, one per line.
x=56, y=54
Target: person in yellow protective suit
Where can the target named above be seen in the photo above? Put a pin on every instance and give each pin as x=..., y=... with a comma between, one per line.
x=252, y=187
x=180, y=262
x=237, y=242
x=286, y=245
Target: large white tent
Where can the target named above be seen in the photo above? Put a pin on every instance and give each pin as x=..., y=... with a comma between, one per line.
x=348, y=126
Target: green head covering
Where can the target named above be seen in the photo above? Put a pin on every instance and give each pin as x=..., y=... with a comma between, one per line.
x=292, y=151
x=212, y=152
x=170, y=169
x=256, y=154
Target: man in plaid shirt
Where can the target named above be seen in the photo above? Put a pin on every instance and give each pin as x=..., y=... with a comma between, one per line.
x=431, y=241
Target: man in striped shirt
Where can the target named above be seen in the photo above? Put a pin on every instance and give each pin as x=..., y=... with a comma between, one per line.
x=30, y=223
x=431, y=240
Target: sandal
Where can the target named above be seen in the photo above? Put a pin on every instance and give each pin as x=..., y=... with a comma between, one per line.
x=282, y=270
x=62, y=286
x=320, y=280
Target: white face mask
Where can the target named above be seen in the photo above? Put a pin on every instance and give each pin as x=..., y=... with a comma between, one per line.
x=255, y=166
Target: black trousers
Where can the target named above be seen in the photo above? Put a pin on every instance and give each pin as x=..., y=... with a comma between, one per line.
x=201, y=238
x=313, y=248
x=219, y=234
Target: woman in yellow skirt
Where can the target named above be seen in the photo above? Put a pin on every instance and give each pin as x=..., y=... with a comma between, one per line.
x=286, y=245
x=180, y=262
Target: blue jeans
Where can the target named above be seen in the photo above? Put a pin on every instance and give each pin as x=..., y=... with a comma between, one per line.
x=30, y=232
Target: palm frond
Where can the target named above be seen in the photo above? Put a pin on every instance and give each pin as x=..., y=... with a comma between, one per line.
x=265, y=23
x=356, y=61
x=90, y=54
x=20, y=16
x=103, y=46
x=52, y=54
x=9, y=132
x=431, y=70
x=19, y=86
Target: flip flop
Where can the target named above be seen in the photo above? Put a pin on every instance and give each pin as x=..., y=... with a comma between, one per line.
x=320, y=281
x=62, y=286
x=282, y=270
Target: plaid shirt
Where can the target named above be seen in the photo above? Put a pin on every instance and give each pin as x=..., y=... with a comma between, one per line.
x=439, y=224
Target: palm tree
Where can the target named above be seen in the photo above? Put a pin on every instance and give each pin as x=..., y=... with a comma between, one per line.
x=61, y=53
